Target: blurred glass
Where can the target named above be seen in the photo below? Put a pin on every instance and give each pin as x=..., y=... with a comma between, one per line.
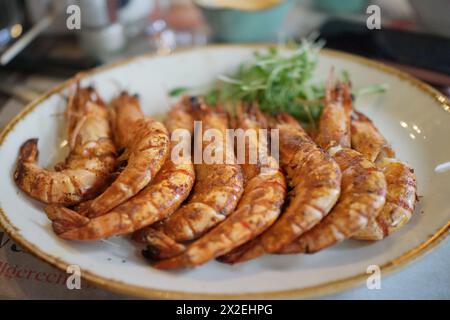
x=262, y=21
x=175, y=23
x=11, y=22
x=155, y=25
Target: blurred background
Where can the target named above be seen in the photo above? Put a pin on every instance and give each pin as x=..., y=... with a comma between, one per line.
x=41, y=45
x=41, y=42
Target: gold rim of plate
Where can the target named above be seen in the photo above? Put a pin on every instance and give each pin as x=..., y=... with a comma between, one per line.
x=316, y=290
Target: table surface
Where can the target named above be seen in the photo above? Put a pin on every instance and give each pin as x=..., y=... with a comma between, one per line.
x=427, y=278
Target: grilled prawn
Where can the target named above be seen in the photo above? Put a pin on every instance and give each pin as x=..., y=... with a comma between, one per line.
x=401, y=180
x=125, y=111
x=362, y=197
x=400, y=201
x=258, y=208
x=363, y=189
x=216, y=193
x=315, y=179
x=367, y=139
x=146, y=151
x=155, y=202
x=86, y=171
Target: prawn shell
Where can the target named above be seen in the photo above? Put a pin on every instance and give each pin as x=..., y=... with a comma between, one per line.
x=147, y=154
x=400, y=201
x=315, y=179
x=363, y=194
x=367, y=139
x=215, y=195
x=155, y=202
x=158, y=200
x=86, y=171
x=258, y=208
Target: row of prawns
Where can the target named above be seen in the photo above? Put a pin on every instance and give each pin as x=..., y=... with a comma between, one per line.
x=340, y=182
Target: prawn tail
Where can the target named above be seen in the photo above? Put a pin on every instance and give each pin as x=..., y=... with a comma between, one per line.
x=245, y=252
x=177, y=262
x=28, y=154
x=160, y=246
x=29, y=151
x=64, y=219
x=283, y=118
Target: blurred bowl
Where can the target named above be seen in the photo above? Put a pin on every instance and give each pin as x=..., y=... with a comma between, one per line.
x=341, y=7
x=434, y=15
x=234, y=25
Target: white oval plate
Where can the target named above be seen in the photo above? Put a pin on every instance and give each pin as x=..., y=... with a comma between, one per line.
x=411, y=115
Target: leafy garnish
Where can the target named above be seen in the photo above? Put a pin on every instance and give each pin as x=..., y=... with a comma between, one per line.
x=373, y=89
x=175, y=92
x=279, y=81
x=345, y=76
